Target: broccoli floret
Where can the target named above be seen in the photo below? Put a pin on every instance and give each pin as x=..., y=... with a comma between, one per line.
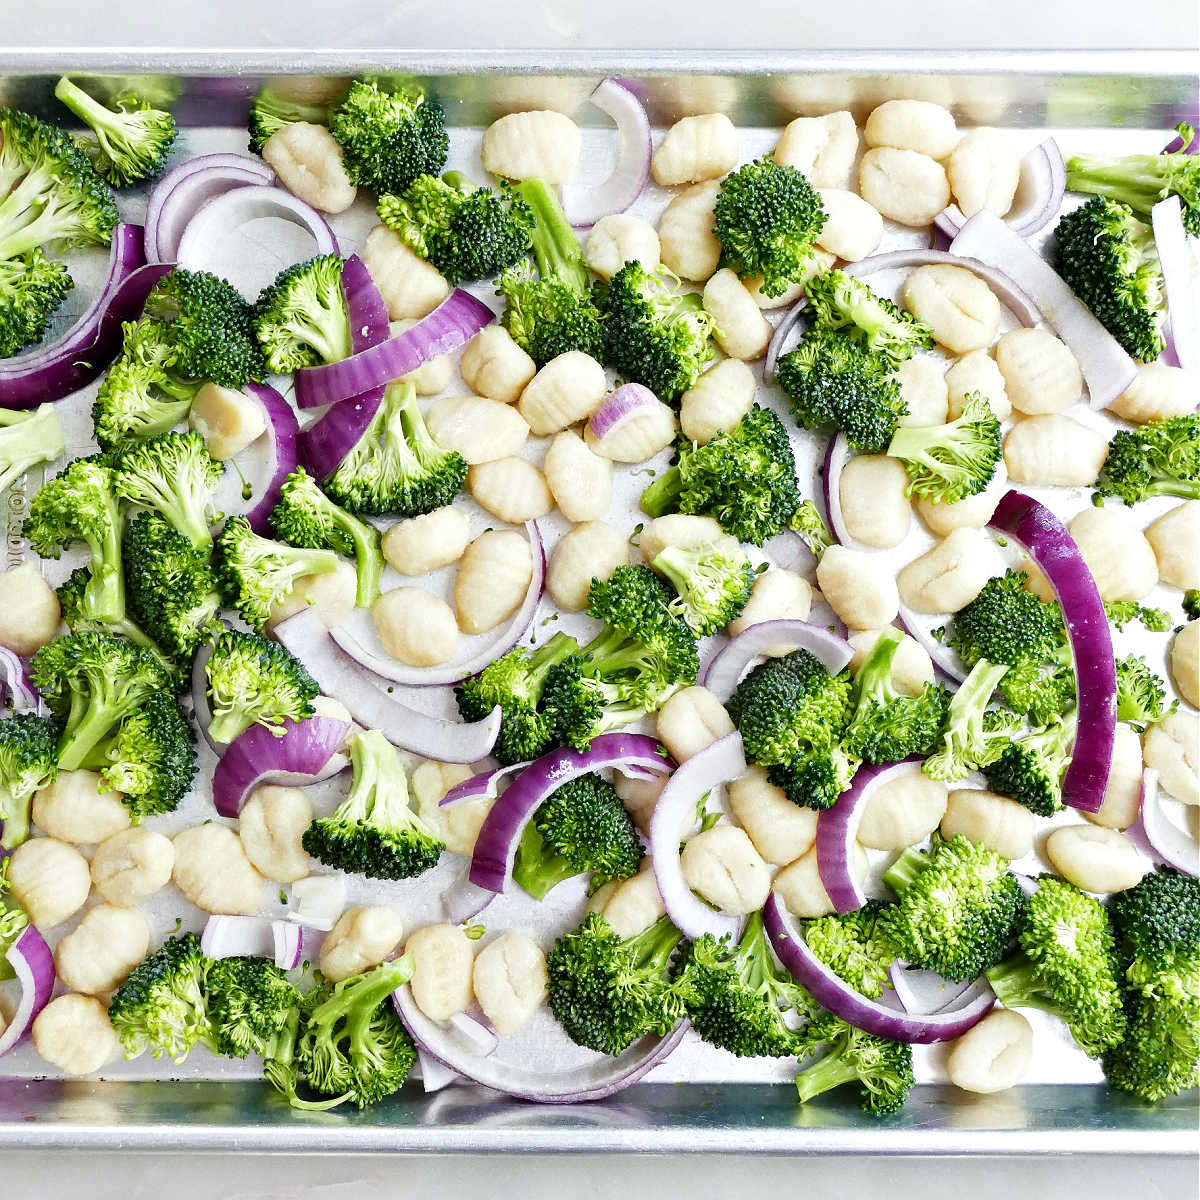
x=1108, y=258
x=28, y=761
x=255, y=681
x=655, y=333
x=254, y=573
x=1155, y=620
x=32, y=287
x=712, y=585
x=817, y=780
x=744, y=479
x=13, y=921
x=250, y=1001
x=301, y=319
x=270, y=112
x=161, y=1006
x=1159, y=917
x=1141, y=695
x=133, y=139
x=466, y=232
x=856, y=946
x=607, y=991
x=1191, y=604
x=389, y=136
x=810, y=526
x=958, y=905
x=581, y=828
x=949, y=462
x=973, y=735
x=767, y=218
x=883, y=1070
x=374, y=831
x=1158, y=459
x=26, y=439
x=840, y=303
x=1030, y=769
x=515, y=683
x=396, y=466
x=1066, y=965
x=173, y=474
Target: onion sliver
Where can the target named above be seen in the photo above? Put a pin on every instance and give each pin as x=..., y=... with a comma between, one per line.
x=365, y=307
x=464, y=900
x=624, y=404
x=328, y=440
x=486, y=783
x=289, y=944
x=856, y=1009
x=1045, y=539
x=33, y=965
x=1178, y=269
x=317, y=901
x=942, y=656
x=341, y=678
x=722, y=672
x=674, y=817
x=201, y=709
x=283, y=430
x=237, y=936
x=837, y=454
x=17, y=693
x=1158, y=837
x=923, y=991
x=434, y=1075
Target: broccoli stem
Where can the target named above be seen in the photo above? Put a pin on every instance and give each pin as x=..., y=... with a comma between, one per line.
x=460, y=180
x=654, y=946
x=555, y=246
x=825, y=1074
x=91, y=112
x=905, y=869
x=662, y=496
x=538, y=869
x=28, y=440
x=16, y=830
x=83, y=734
x=1015, y=984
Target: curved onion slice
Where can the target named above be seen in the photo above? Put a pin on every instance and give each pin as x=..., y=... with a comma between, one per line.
x=837, y=454
x=364, y=306
x=288, y=939
x=674, y=817
x=317, y=901
x=722, y=672
x=33, y=965
x=923, y=991
x=328, y=440
x=623, y=404
x=584, y=206
x=257, y=937
x=486, y=783
x=1178, y=269
x=283, y=431
x=942, y=656
x=17, y=693
x=434, y=1075
x=201, y=709
x=464, y=900
x=341, y=678
x=1158, y=837
x=601, y=1076
x=1045, y=539
x=842, y=1000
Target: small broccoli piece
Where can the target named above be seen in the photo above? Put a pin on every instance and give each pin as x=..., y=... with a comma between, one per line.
x=161, y=1005
x=1121, y=612
x=26, y=439
x=1066, y=965
x=301, y=320
x=173, y=474
x=856, y=946
x=949, y=462
x=974, y=735
x=1158, y=459
x=810, y=526
x=270, y=112
x=396, y=466
x=254, y=573
x=1108, y=258
x=767, y=218
x=1191, y=604
x=817, y=780
x=32, y=287
x=13, y=921
x=744, y=479
x=958, y=905
x=255, y=681
x=133, y=140
x=607, y=991
x=1158, y=918
x=655, y=333
x=712, y=585
x=389, y=135
x=28, y=761
x=250, y=1002
x=1141, y=695
x=515, y=683
x=840, y=303
x=374, y=831
x=1030, y=769
x=883, y=1070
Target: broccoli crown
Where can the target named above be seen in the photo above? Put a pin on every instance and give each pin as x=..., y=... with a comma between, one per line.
x=840, y=302
x=582, y=827
x=1141, y=695
x=832, y=383
x=1158, y=918
x=767, y=218
x=52, y=194
x=374, y=831
x=28, y=761
x=607, y=991
x=255, y=681
x=465, y=232
x=304, y=516
x=958, y=905
x=548, y=317
x=133, y=139
x=26, y=439
x=301, y=319
x=817, y=780
x=396, y=466
x=32, y=287
x=1156, y=620
x=254, y=573
x=712, y=585
x=949, y=462
x=1161, y=458
x=654, y=333
x=1108, y=258
x=1030, y=769
x=1066, y=964
x=161, y=1005
x=810, y=526
x=856, y=946
x=515, y=682
x=250, y=1001
x=1191, y=604
x=973, y=735
x=270, y=112
x=882, y=1070
x=744, y=479
x=389, y=136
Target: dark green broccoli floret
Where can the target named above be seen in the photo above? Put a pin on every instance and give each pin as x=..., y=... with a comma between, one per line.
x=1155, y=620
x=301, y=320
x=161, y=1007
x=949, y=462
x=396, y=466
x=374, y=831
x=767, y=218
x=745, y=479
x=856, y=946
x=840, y=303
x=882, y=1070
x=133, y=139
x=32, y=287
x=655, y=333
x=810, y=526
x=270, y=112
x=817, y=780
x=957, y=908
x=515, y=682
x=973, y=735
x=173, y=474
x=1159, y=917
x=1030, y=768
x=255, y=681
x=581, y=828
x=1067, y=965
x=1191, y=604
x=28, y=761
x=1141, y=695
x=607, y=991
x=250, y=1001
x=1108, y=258
x=712, y=585
x=13, y=922
x=26, y=439
x=1161, y=458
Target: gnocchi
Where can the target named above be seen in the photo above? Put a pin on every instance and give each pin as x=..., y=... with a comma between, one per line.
x=227, y=420
x=212, y=871
x=639, y=796
x=1094, y=858
x=989, y=820
x=993, y=1055
x=481, y=430
x=912, y=125
x=972, y=512
x=903, y=185
x=717, y=401
x=49, y=879
x=102, y=949
x=686, y=532
x=817, y=262
x=633, y=904
x=76, y=808
x=592, y=550
x=780, y=830
x=912, y=668
x=984, y=172
x=951, y=575
x=417, y=545
x=433, y=375
x=29, y=611
x=361, y=938
x=685, y=233
x=1054, y=450
x=495, y=366
x=1040, y=374
x=960, y=309
x=567, y=389
x=415, y=626
x=777, y=595
x=690, y=720
x=308, y=162
x=442, y=958
x=332, y=595
x=1116, y=551
x=722, y=865
x=1172, y=748
x=492, y=580
x=695, y=149
x=271, y=825
x=901, y=811
x=1123, y=792
x=1184, y=662
x=620, y=238
x=637, y=437
x=509, y=981
x=74, y=1034
x=739, y=327
x=1175, y=540
x=511, y=489
x=873, y=492
x=580, y=480
x=410, y=287
x=859, y=589
x=458, y=825
x=977, y=372
x=923, y=389
x=132, y=865
x=1156, y=393
x=535, y=144
x=852, y=229
x=801, y=890
x=823, y=148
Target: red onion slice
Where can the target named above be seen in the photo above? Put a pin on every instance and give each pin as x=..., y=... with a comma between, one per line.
x=328, y=440
x=464, y=900
x=364, y=305
x=922, y=992
x=17, y=693
x=1178, y=269
x=626, y=403
x=317, y=901
x=283, y=431
x=288, y=941
x=842, y=1000
x=674, y=818
x=434, y=1075
x=1158, y=837
x=257, y=937
x=486, y=783
x=33, y=965
x=837, y=454
x=722, y=672
x=201, y=709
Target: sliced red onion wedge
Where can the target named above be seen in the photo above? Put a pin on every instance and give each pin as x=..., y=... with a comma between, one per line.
x=288, y=939
x=1157, y=836
x=500, y=833
x=723, y=671
x=1045, y=539
x=943, y=658
x=923, y=991
x=17, y=693
x=328, y=440
x=201, y=709
x=674, y=818
x=625, y=403
x=258, y=937
x=341, y=678
x=486, y=783
x=842, y=1000
x=837, y=454
x=452, y=324
x=584, y=206
x=317, y=901
x=464, y=900
x=283, y=431
x=308, y=751
x=1178, y=269
x=364, y=305
x=33, y=965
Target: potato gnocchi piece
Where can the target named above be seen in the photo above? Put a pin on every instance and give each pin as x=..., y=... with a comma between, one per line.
x=620, y=238
x=75, y=808
x=510, y=488
x=567, y=389
x=1175, y=539
x=901, y=811
x=690, y=720
x=984, y=172
x=1116, y=551
x=960, y=309
x=49, y=880
x=949, y=576
x=492, y=580
x=739, y=327
x=923, y=389
x=717, y=401
x=696, y=149
x=777, y=595
x=361, y=938
x=432, y=376
x=818, y=262
x=972, y=512
x=722, y=866
x=1095, y=859
x=912, y=125
x=977, y=372
x=74, y=1034
x=97, y=955
x=873, y=492
x=1172, y=748
x=823, y=148
x=481, y=430
x=1040, y=374
x=1184, y=662
x=780, y=830
x=580, y=480
x=29, y=610
x=410, y=287
x=443, y=957
x=629, y=905
x=132, y=865
x=1054, y=450
x=989, y=820
x=801, y=890
x=852, y=229
x=992, y=1056
x=271, y=825
x=227, y=420
x=535, y=144
x=212, y=871
x=592, y=550
x=415, y=626
x=685, y=233
x=859, y=589
x=332, y=595
x=1156, y=393
x=905, y=186
x=421, y=544
x=308, y=162
x=509, y=981
x=495, y=366
x=1123, y=792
